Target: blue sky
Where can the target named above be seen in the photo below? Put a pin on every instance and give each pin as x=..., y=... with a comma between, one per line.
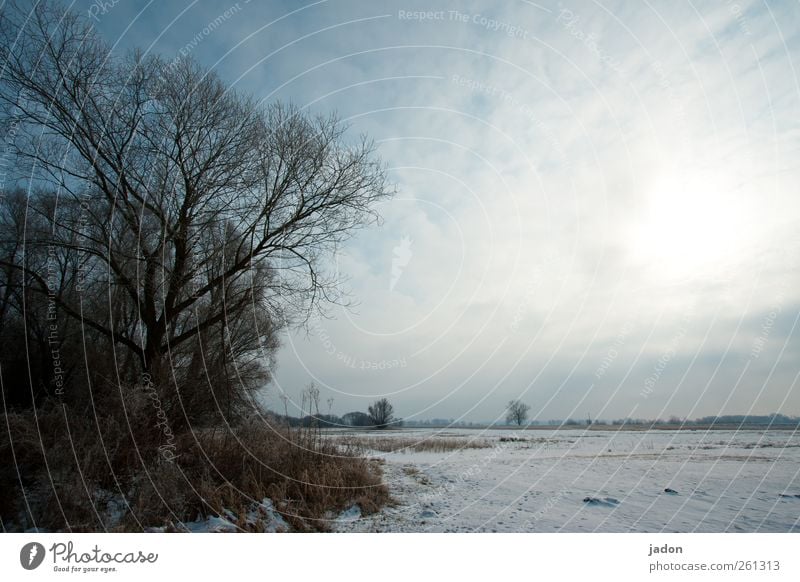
x=597, y=208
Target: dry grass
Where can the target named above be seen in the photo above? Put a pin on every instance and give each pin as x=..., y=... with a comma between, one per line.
x=84, y=475
x=308, y=478
x=433, y=444
x=416, y=474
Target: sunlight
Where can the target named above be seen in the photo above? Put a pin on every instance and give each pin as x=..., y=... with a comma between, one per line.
x=691, y=225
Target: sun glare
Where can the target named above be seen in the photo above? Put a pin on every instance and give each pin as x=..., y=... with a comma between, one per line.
x=690, y=227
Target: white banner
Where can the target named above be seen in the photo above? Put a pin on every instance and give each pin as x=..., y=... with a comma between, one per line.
x=398, y=556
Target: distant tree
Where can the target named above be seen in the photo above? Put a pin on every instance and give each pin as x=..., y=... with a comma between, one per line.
x=357, y=418
x=381, y=413
x=517, y=412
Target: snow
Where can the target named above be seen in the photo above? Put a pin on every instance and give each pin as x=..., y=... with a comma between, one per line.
x=270, y=519
x=262, y=516
x=587, y=481
x=212, y=524
x=350, y=515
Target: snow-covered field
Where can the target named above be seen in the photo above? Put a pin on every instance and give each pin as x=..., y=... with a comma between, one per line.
x=586, y=481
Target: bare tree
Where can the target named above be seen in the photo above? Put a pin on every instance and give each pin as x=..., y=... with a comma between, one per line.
x=381, y=413
x=192, y=221
x=517, y=412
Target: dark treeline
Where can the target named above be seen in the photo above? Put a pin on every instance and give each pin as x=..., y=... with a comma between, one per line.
x=773, y=419
x=351, y=419
x=728, y=419
x=354, y=419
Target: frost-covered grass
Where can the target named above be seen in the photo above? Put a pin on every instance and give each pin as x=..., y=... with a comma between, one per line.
x=429, y=443
x=672, y=481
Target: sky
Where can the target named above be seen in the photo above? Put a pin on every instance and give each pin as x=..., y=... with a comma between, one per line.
x=597, y=208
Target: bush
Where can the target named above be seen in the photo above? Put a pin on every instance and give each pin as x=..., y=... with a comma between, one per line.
x=67, y=473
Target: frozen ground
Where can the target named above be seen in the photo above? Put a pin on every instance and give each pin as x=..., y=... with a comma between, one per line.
x=261, y=517
x=586, y=481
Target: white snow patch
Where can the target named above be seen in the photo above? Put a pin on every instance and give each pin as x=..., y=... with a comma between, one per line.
x=268, y=516
x=261, y=516
x=212, y=524
x=742, y=480
x=350, y=514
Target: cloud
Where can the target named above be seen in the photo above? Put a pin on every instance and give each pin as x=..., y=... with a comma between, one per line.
x=565, y=173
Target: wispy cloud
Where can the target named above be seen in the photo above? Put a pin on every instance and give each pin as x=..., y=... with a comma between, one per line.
x=566, y=172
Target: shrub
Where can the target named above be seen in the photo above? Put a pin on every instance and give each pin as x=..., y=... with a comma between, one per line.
x=65, y=472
